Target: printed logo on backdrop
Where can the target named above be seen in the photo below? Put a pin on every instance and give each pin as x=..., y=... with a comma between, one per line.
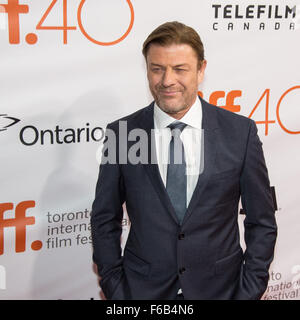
x=231, y=101
x=7, y=121
x=63, y=230
x=19, y=222
x=31, y=135
x=85, y=11
x=266, y=16
x=283, y=286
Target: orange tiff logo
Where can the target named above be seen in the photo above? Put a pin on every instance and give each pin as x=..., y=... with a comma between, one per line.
x=19, y=222
x=263, y=102
x=13, y=9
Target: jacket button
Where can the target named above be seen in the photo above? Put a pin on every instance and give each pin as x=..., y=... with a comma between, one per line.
x=181, y=236
x=181, y=270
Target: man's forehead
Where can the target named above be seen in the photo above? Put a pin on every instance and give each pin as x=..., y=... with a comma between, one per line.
x=173, y=51
x=170, y=47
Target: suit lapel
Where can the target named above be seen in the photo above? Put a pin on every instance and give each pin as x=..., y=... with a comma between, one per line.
x=210, y=132
x=147, y=123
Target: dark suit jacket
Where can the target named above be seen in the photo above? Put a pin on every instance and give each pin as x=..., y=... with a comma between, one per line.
x=203, y=255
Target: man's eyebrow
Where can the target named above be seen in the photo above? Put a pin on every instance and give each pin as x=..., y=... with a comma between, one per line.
x=155, y=64
x=176, y=66
x=181, y=65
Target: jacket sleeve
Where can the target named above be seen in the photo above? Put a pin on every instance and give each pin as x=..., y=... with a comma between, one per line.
x=260, y=229
x=106, y=218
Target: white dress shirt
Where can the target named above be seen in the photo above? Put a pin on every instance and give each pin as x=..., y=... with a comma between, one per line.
x=191, y=139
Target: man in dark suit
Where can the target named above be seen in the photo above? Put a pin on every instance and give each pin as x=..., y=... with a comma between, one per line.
x=184, y=240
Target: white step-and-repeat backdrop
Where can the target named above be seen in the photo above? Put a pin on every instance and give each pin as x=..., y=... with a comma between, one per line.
x=68, y=67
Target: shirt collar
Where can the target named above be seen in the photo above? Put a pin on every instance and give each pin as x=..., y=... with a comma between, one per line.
x=192, y=118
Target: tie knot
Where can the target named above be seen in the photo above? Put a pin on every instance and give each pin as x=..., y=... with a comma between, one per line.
x=179, y=126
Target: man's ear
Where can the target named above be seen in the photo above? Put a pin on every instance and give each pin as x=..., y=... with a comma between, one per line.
x=201, y=71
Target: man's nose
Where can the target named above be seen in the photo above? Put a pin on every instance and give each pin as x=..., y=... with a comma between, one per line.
x=168, y=78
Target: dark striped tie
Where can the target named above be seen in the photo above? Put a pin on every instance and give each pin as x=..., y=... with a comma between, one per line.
x=176, y=174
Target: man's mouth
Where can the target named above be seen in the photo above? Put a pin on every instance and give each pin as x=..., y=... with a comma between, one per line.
x=169, y=93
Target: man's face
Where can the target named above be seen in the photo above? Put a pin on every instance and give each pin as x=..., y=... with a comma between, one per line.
x=174, y=76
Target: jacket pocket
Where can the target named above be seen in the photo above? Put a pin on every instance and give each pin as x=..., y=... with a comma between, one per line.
x=135, y=263
x=230, y=262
